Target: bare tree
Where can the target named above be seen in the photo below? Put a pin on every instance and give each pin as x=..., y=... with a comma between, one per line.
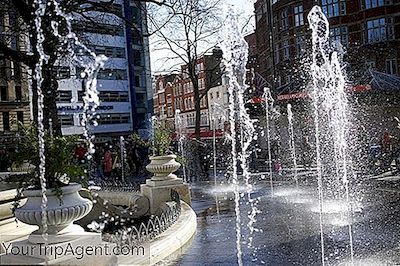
x=186, y=30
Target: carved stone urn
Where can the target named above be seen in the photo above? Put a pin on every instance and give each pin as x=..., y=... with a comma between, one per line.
x=61, y=213
x=163, y=167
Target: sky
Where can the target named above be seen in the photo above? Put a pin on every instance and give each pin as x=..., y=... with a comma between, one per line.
x=243, y=7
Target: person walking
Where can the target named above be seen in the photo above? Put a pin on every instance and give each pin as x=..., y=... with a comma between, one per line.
x=107, y=163
x=387, y=150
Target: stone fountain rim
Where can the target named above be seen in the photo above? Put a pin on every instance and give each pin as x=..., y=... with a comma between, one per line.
x=161, y=157
x=68, y=189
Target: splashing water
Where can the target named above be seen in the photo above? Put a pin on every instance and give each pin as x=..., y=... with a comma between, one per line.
x=38, y=76
x=124, y=164
x=39, y=13
x=235, y=52
x=292, y=142
x=214, y=144
x=92, y=65
x=181, y=138
x=153, y=123
x=267, y=98
x=330, y=117
x=213, y=117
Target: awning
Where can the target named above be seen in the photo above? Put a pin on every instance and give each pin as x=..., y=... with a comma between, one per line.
x=203, y=135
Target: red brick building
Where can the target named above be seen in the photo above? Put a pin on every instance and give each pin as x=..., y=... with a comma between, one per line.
x=369, y=31
x=163, y=99
x=175, y=91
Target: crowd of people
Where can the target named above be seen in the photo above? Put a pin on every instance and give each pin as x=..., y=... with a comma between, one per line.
x=109, y=162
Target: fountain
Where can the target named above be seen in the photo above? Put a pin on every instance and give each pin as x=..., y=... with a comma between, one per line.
x=292, y=146
x=40, y=11
x=181, y=138
x=330, y=119
x=235, y=53
x=91, y=97
x=267, y=98
x=124, y=164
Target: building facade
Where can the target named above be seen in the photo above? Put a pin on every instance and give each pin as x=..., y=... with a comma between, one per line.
x=218, y=106
x=164, y=99
x=14, y=84
x=176, y=92
x=124, y=84
x=368, y=30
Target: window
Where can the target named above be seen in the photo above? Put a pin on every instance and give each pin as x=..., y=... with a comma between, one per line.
x=20, y=117
x=107, y=74
x=114, y=96
x=339, y=34
x=14, y=43
x=141, y=100
x=284, y=19
x=137, y=58
x=99, y=28
x=380, y=29
x=204, y=118
x=112, y=74
x=66, y=120
x=201, y=84
x=198, y=68
x=113, y=52
x=334, y=8
x=18, y=93
x=169, y=111
x=190, y=103
x=375, y=3
x=138, y=82
x=141, y=121
x=3, y=93
x=285, y=49
x=13, y=20
x=61, y=72
x=299, y=45
x=64, y=96
x=277, y=57
x=137, y=38
x=2, y=22
x=6, y=121
x=298, y=16
x=136, y=14
x=217, y=94
x=391, y=66
x=121, y=118
x=287, y=79
x=3, y=68
x=109, y=51
x=162, y=98
x=16, y=71
x=190, y=120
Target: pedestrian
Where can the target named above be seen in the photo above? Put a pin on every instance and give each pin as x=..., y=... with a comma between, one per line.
x=387, y=150
x=80, y=153
x=107, y=163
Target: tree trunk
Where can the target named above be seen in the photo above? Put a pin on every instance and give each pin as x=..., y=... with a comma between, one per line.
x=198, y=111
x=49, y=84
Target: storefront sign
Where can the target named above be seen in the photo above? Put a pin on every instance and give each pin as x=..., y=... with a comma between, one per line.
x=80, y=108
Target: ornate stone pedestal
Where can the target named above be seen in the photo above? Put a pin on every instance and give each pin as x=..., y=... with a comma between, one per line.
x=159, y=192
